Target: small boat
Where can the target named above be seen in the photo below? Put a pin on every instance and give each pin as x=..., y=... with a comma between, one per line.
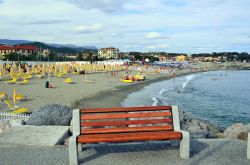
x=139, y=77
x=127, y=81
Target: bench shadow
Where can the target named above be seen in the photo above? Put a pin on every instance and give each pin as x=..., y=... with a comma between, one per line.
x=210, y=152
x=107, y=148
x=196, y=147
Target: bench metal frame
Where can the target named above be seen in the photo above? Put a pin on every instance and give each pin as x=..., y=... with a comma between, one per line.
x=74, y=146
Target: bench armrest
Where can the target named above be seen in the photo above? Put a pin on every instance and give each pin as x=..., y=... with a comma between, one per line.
x=76, y=122
x=176, y=118
x=185, y=134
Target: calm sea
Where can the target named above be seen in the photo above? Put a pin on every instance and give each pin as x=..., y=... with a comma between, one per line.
x=221, y=97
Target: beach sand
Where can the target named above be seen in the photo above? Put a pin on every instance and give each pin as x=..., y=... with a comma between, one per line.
x=100, y=90
x=114, y=96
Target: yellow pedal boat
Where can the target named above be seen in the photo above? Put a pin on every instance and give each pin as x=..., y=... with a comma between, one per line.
x=127, y=81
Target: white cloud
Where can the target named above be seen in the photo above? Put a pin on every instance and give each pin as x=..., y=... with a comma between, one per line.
x=103, y=5
x=130, y=46
x=161, y=46
x=88, y=28
x=123, y=24
x=155, y=35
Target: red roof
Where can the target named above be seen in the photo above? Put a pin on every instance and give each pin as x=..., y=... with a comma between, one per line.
x=26, y=47
x=18, y=47
x=5, y=47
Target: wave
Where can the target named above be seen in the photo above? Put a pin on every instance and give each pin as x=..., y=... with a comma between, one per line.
x=164, y=90
x=188, y=79
x=157, y=100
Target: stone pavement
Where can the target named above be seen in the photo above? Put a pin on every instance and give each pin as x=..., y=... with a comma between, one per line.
x=203, y=152
x=34, y=135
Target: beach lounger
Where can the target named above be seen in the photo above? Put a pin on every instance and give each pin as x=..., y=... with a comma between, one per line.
x=13, y=81
x=24, y=82
x=2, y=95
x=39, y=76
x=61, y=75
x=76, y=73
x=130, y=124
x=26, y=76
x=12, y=107
x=68, y=81
x=18, y=97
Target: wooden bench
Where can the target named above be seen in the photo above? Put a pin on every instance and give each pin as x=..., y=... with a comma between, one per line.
x=126, y=125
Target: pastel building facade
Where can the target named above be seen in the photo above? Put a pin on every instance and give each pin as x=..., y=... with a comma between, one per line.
x=22, y=49
x=108, y=53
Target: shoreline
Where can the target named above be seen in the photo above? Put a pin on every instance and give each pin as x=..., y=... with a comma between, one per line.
x=114, y=97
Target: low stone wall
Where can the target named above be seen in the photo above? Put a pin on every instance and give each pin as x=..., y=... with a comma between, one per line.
x=61, y=115
x=199, y=128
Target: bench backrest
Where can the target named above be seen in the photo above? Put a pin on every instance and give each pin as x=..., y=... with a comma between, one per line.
x=128, y=119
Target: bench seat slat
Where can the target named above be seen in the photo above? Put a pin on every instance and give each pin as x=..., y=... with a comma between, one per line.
x=127, y=129
x=126, y=122
x=126, y=137
x=128, y=115
x=125, y=109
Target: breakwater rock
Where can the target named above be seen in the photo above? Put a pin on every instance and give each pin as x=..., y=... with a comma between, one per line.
x=237, y=131
x=199, y=128
x=53, y=114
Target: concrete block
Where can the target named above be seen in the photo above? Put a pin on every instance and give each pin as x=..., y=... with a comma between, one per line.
x=35, y=135
x=248, y=146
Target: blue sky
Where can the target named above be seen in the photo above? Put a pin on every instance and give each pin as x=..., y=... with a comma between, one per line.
x=190, y=26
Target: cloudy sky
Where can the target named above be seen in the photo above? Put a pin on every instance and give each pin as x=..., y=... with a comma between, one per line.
x=188, y=26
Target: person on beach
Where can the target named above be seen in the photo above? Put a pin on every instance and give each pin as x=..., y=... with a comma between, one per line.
x=173, y=75
x=82, y=71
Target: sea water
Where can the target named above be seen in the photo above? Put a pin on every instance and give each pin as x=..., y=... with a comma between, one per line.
x=221, y=97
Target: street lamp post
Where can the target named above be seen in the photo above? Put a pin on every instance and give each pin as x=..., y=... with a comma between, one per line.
x=18, y=55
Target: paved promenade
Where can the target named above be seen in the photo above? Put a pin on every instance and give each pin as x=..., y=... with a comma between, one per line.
x=203, y=152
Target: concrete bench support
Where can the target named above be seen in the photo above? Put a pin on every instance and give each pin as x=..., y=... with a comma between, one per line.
x=185, y=142
x=73, y=146
x=248, y=146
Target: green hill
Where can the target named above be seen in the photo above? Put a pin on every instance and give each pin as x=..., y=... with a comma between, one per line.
x=62, y=49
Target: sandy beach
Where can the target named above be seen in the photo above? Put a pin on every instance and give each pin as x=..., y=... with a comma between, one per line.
x=100, y=90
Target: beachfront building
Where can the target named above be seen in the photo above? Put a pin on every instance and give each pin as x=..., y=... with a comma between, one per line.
x=181, y=58
x=5, y=49
x=164, y=58
x=71, y=56
x=108, y=53
x=44, y=52
x=26, y=49
x=22, y=49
